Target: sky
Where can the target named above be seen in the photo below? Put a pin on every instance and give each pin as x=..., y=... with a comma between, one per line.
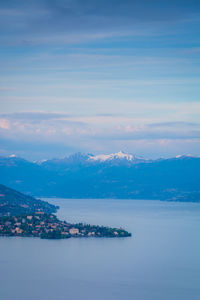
x=99, y=77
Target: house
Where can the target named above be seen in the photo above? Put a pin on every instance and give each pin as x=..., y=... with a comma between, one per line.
x=18, y=230
x=54, y=226
x=74, y=231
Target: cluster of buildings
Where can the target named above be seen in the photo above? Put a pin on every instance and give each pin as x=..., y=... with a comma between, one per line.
x=35, y=225
x=44, y=225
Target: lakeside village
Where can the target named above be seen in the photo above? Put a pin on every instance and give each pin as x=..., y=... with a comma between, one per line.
x=47, y=226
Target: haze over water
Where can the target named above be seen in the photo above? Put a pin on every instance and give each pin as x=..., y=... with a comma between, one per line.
x=160, y=261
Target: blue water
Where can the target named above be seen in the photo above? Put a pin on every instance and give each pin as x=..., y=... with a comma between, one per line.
x=161, y=261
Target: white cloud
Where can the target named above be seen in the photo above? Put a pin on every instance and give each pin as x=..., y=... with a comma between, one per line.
x=4, y=124
x=55, y=127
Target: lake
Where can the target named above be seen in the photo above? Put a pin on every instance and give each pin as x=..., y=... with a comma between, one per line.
x=161, y=261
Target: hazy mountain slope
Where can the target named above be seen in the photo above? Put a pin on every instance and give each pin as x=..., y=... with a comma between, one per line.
x=24, y=176
x=13, y=202
x=173, y=179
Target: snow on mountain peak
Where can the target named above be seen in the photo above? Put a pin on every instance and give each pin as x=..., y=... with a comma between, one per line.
x=184, y=155
x=107, y=157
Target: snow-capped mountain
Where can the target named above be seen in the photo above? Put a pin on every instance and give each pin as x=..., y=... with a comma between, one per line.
x=184, y=156
x=119, y=158
x=90, y=159
x=116, y=157
x=117, y=175
x=112, y=156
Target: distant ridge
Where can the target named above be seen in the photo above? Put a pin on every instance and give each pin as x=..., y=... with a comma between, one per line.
x=116, y=175
x=81, y=157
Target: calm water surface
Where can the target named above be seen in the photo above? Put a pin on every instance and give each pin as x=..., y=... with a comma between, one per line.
x=161, y=261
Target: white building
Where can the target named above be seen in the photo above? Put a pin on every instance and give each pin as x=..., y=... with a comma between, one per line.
x=74, y=231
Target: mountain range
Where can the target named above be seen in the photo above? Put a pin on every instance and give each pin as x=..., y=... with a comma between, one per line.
x=117, y=175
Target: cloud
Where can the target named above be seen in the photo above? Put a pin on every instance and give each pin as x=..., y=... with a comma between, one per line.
x=42, y=135
x=44, y=22
x=174, y=124
x=170, y=131
x=55, y=126
x=49, y=127
x=34, y=116
x=4, y=124
x=116, y=72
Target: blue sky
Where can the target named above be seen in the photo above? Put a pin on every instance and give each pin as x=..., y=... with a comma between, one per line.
x=99, y=77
